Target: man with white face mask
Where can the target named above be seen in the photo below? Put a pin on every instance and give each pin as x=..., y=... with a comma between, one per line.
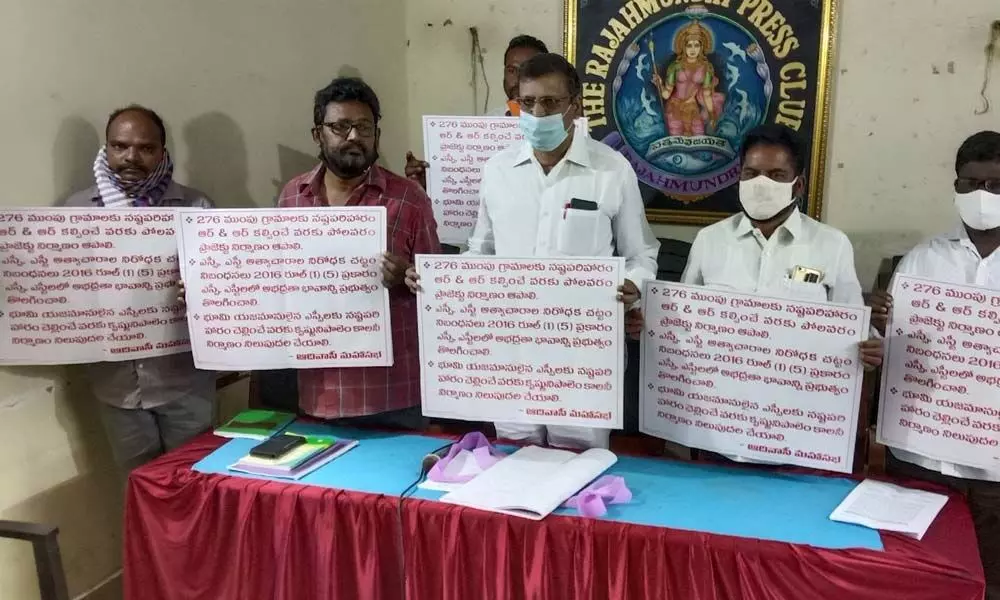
x=561, y=193
x=771, y=248
x=968, y=256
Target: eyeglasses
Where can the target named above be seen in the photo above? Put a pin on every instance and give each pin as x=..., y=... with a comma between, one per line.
x=365, y=129
x=965, y=185
x=550, y=104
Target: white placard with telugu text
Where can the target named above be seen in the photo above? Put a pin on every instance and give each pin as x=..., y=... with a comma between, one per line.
x=529, y=340
x=941, y=376
x=82, y=285
x=456, y=148
x=769, y=379
x=289, y=288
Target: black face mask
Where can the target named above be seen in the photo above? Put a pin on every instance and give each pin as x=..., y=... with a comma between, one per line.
x=349, y=161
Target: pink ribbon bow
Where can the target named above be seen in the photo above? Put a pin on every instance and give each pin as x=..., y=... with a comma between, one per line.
x=592, y=500
x=482, y=451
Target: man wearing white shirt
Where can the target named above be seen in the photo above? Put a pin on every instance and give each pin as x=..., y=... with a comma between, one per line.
x=757, y=250
x=525, y=206
x=968, y=256
x=771, y=248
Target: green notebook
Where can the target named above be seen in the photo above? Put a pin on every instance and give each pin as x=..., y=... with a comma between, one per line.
x=255, y=424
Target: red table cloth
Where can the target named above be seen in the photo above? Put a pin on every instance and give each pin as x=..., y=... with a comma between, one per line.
x=193, y=536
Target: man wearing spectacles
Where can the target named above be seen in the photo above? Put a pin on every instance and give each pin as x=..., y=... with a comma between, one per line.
x=562, y=193
x=968, y=256
x=345, y=129
x=520, y=49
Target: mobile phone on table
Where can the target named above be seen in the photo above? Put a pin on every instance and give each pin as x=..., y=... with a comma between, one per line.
x=277, y=446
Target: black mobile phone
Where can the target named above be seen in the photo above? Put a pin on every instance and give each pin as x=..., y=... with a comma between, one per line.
x=277, y=446
x=579, y=204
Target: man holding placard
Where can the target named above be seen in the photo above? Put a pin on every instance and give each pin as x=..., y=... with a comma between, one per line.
x=771, y=248
x=155, y=404
x=967, y=256
x=561, y=193
x=345, y=129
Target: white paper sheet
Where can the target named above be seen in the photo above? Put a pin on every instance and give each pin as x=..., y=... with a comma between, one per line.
x=456, y=149
x=532, y=482
x=889, y=507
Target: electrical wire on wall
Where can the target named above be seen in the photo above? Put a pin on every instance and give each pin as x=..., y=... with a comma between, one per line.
x=992, y=49
x=478, y=71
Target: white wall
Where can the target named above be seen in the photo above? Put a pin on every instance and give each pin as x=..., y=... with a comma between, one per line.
x=908, y=78
x=234, y=79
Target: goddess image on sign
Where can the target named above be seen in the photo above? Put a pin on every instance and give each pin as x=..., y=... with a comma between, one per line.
x=691, y=106
x=680, y=115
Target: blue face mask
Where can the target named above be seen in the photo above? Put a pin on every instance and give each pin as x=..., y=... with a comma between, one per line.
x=543, y=133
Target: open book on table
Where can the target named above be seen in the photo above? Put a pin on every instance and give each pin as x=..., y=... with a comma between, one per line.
x=532, y=482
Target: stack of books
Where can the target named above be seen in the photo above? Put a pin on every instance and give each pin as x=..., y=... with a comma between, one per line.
x=255, y=424
x=302, y=460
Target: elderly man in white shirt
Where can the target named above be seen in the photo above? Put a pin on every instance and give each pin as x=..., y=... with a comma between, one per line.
x=968, y=256
x=561, y=193
x=772, y=248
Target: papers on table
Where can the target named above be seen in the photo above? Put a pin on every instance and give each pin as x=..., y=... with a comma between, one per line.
x=439, y=486
x=889, y=507
x=298, y=463
x=532, y=482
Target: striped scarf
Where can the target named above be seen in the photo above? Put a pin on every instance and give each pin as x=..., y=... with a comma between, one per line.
x=117, y=193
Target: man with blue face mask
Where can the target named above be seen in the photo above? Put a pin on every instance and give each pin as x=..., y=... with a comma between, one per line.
x=561, y=193
x=966, y=255
x=771, y=248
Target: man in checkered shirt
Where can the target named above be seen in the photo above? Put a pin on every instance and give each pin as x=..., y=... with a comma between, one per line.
x=345, y=128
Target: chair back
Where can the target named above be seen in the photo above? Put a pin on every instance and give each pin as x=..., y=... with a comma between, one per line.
x=48, y=562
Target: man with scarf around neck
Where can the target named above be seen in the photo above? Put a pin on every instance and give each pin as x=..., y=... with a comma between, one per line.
x=346, y=115
x=156, y=404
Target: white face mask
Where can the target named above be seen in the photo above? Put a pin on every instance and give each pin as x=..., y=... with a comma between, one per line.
x=763, y=197
x=979, y=209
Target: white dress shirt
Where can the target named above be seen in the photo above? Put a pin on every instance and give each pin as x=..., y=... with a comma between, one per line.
x=953, y=259
x=733, y=255
x=523, y=213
